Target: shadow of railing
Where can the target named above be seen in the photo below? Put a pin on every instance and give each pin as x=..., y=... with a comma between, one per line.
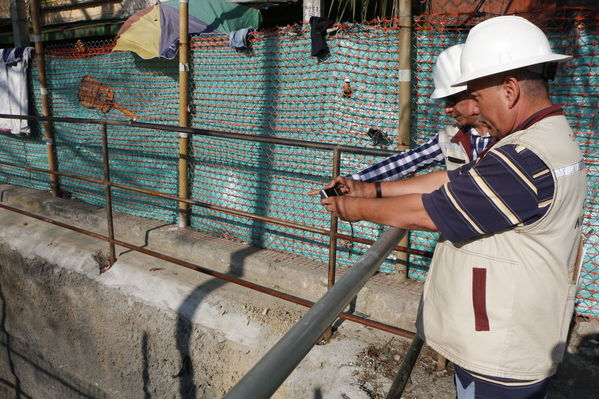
x=271, y=371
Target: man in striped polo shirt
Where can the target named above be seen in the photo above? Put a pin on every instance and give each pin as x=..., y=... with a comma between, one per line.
x=499, y=295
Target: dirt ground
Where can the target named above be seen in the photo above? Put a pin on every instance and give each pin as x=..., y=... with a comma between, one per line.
x=577, y=376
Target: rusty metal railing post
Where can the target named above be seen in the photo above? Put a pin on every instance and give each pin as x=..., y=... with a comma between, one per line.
x=332, y=242
x=108, y=192
x=333, y=225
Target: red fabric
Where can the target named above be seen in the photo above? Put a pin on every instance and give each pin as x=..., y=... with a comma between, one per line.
x=463, y=138
x=552, y=110
x=479, y=300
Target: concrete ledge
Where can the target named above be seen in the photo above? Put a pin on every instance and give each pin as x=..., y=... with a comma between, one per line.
x=150, y=327
x=382, y=299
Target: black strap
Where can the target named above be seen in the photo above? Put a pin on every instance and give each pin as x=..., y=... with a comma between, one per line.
x=379, y=192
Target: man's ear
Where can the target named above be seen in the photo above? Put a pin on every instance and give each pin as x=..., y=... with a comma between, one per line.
x=511, y=85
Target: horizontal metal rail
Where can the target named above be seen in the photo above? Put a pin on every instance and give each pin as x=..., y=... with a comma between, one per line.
x=271, y=371
x=211, y=133
x=108, y=184
x=222, y=276
x=226, y=210
x=223, y=209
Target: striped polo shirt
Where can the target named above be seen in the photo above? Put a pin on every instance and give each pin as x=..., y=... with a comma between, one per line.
x=509, y=186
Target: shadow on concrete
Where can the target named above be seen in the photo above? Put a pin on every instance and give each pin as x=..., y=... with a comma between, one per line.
x=65, y=387
x=350, y=310
x=6, y=341
x=578, y=373
x=262, y=192
x=146, y=238
x=185, y=313
x=145, y=371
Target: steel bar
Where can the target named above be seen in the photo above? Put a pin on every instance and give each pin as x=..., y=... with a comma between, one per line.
x=405, y=369
x=213, y=133
x=183, y=112
x=405, y=112
x=326, y=337
x=256, y=287
x=271, y=371
x=108, y=192
x=333, y=227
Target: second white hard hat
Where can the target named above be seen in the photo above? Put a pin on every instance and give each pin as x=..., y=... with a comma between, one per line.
x=501, y=44
x=446, y=71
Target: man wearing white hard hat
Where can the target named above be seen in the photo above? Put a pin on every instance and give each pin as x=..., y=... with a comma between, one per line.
x=499, y=295
x=455, y=145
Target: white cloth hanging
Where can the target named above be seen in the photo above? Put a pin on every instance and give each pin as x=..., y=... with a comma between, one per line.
x=14, y=99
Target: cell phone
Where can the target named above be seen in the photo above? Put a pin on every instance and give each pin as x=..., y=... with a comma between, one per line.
x=330, y=192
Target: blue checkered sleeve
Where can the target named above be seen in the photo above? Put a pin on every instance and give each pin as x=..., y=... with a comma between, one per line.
x=401, y=165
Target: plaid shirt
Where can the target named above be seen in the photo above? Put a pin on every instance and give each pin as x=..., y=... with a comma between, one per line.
x=400, y=166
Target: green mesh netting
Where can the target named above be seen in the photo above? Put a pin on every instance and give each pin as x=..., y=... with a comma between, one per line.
x=276, y=88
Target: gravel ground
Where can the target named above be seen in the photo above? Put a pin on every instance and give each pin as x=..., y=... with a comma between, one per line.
x=576, y=378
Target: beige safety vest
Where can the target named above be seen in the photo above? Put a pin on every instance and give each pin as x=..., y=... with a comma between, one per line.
x=501, y=304
x=454, y=153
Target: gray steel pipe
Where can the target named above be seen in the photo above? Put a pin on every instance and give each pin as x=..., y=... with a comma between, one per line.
x=405, y=369
x=272, y=370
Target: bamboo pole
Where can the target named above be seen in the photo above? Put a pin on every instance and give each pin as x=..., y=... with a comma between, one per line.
x=405, y=55
x=41, y=63
x=183, y=111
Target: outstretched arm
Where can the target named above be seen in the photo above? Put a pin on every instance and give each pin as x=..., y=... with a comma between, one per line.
x=415, y=185
x=406, y=212
x=422, y=184
x=402, y=165
x=401, y=205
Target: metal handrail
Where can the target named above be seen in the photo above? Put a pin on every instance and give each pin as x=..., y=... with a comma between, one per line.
x=108, y=184
x=274, y=367
x=222, y=276
x=211, y=133
x=219, y=134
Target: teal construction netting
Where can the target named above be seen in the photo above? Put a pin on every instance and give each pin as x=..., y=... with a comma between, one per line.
x=277, y=88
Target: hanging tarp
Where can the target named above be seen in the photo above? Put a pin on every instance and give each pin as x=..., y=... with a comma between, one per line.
x=154, y=31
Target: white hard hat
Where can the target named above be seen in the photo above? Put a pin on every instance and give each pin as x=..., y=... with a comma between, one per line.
x=501, y=44
x=446, y=71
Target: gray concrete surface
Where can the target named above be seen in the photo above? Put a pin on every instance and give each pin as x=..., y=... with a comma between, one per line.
x=150, y=328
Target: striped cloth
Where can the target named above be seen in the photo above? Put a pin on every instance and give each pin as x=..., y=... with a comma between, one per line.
x=402, y=165
x=509, y=186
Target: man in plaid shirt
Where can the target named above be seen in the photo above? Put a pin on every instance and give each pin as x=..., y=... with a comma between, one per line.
x=453, y=146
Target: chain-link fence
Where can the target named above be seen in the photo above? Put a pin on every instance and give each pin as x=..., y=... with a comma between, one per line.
x=277, y=88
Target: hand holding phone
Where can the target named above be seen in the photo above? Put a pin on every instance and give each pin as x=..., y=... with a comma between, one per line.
x=330, y=192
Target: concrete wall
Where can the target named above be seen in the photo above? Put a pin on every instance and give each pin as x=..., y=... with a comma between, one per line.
x=150, y=328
